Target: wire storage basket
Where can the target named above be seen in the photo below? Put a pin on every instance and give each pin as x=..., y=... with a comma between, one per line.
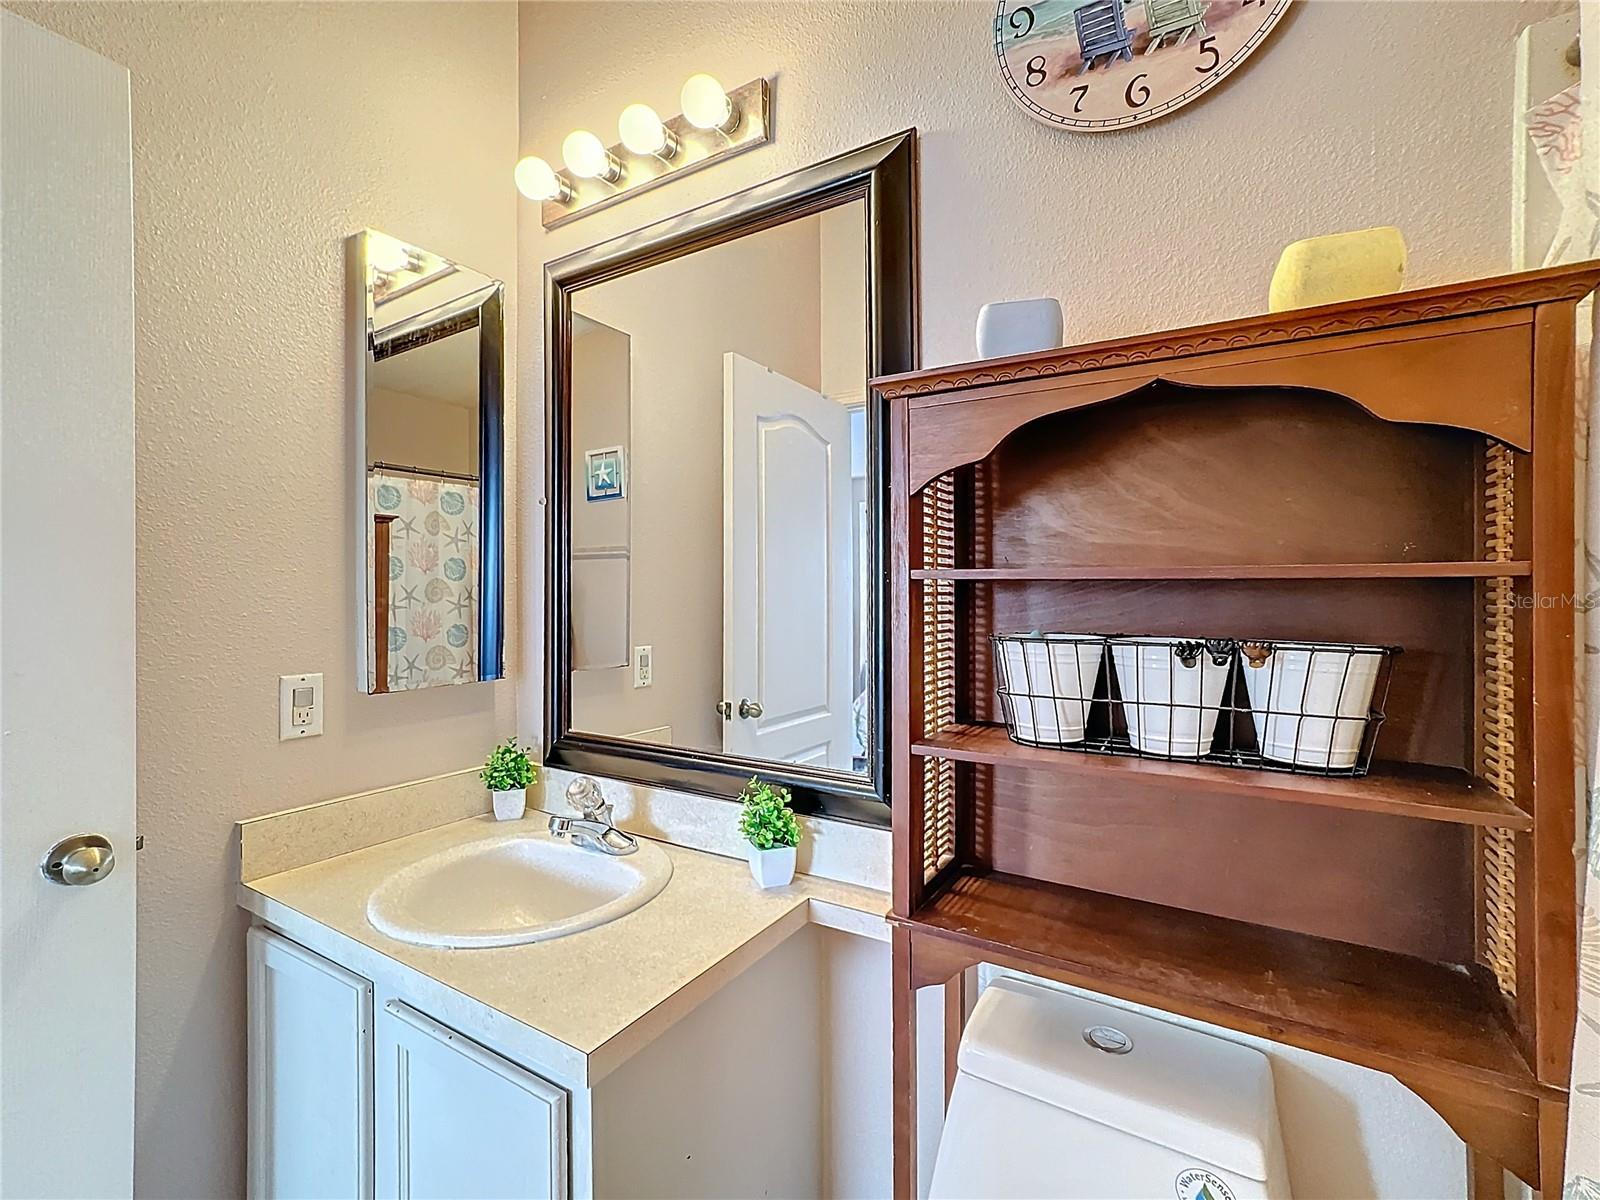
x=1301, y=706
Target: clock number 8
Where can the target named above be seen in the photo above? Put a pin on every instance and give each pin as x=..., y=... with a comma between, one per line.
x=1036, y=70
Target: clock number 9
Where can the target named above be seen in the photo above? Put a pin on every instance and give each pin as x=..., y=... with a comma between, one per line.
x=1036, y=70
x=1208, y=47
x=1137, y=95
x=1022, y=31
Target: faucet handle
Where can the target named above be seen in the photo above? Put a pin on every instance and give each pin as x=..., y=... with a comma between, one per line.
x=584, y=794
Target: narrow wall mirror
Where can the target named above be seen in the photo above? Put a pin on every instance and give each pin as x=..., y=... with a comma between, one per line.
x=717, y=478
x=429, y=443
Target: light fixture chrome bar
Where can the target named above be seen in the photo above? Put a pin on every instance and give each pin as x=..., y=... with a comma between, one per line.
x=696, y=148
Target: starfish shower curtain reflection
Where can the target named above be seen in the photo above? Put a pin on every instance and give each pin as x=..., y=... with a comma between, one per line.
x=433, y=580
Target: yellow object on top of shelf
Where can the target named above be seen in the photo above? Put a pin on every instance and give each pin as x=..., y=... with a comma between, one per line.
x=1338, y=266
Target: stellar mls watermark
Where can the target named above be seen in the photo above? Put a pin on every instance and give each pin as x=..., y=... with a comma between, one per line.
x=1579, y=601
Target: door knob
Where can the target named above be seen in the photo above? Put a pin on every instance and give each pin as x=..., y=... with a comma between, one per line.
x=75, y=861
x=749, y=709
x=725, y=709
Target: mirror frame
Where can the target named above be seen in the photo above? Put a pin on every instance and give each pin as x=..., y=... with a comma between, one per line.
x=485, y=309
x=884, y=176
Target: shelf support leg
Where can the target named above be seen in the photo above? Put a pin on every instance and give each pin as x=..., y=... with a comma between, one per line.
x=904, y=989
x=1486, y=1179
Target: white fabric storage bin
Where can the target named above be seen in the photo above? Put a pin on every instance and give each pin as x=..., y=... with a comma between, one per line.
x=1311, y=701
x=1047, y=684
x=1171, y=691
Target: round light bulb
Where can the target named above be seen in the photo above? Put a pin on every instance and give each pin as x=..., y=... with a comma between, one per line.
x=537, y=179
x=587, y=157
x=642, y=132
x=706, y=104
x=388, y=255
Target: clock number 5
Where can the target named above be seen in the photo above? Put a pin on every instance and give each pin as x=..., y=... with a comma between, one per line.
x=1137, y=95
x=1035, y=70
x=1022, y=31
x=1208, y=48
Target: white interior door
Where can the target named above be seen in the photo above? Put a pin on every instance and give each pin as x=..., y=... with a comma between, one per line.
x=66, y=616
x=787, y=569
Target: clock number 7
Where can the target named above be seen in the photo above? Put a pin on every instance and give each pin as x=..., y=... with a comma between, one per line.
x=1078, y=93
x=1022, y=31
x=1208, y=47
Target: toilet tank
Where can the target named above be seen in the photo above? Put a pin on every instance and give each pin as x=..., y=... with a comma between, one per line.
x=1057, y=1096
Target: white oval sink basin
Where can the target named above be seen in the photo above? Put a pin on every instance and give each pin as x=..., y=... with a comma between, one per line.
x=514, y=888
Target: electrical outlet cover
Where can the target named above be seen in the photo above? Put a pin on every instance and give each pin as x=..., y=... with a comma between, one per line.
x=295, y=719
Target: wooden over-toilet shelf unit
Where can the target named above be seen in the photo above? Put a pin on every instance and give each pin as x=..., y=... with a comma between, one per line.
x=1396, y=470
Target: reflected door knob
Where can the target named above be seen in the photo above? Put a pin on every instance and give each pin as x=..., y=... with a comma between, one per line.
x=749, y=709
x=725, y=709
x=76, y=861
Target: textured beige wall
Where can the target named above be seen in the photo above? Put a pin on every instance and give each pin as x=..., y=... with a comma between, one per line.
x=1354, y=114
x=263, y=134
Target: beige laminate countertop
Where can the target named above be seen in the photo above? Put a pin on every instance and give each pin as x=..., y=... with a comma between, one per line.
x=598, y=995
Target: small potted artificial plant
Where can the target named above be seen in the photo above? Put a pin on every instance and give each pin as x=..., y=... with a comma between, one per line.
x=772, y=830
x=507, y=774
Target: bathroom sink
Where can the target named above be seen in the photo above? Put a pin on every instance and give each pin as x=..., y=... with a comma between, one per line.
x=514, y=888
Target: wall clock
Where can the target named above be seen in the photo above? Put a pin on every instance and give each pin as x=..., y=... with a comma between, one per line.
x=1109, y=64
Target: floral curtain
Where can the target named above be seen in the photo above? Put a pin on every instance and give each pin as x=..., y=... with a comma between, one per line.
x=433, y=580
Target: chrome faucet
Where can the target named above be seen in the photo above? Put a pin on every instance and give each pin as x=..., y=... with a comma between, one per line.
x=594, y=829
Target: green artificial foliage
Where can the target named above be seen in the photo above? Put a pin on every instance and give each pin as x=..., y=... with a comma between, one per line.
x=508, y=768
x=766, y=820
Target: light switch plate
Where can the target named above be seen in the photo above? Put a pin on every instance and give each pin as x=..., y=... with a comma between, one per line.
x=643, y=659
x=299, y=707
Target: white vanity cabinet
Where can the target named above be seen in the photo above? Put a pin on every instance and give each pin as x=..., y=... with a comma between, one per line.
x=455, y=1119
x=310, y=1051
x=348, y=1103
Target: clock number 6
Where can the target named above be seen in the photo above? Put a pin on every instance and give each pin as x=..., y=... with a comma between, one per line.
x=1022, y=31
x=1035, y=70
x=1137, y=95
x=1208, y=46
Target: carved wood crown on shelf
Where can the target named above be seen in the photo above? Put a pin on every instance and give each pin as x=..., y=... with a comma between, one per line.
x=1527, y=288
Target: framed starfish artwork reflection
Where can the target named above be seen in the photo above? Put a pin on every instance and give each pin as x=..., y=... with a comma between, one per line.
x=605, y=473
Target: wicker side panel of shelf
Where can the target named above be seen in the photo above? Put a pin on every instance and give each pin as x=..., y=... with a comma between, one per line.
x=1498, y=752
x=938, y=668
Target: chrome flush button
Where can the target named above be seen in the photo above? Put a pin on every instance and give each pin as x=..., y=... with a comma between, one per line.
x=1105, y=1037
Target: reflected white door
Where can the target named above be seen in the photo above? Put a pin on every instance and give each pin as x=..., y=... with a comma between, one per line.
x=66, y=616
x=787, y=571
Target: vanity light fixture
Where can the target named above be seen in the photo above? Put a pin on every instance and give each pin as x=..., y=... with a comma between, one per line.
x=707, y=105
x=537, y=180
x=643, y=132
x=714, y=124
x=586, y=157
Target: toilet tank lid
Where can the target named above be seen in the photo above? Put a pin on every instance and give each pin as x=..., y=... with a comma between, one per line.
x=1186, y=1090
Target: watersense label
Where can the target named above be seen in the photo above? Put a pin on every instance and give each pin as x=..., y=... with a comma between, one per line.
x=1195, y=1183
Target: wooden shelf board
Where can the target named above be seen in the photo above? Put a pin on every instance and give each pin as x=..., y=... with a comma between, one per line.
x=1426, y=1022
x=1426, y=794
x=1395, y=570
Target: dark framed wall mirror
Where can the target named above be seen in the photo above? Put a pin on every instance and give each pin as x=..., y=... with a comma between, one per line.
x=717, y=550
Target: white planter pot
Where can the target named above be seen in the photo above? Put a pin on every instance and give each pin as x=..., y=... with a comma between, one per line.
x=772, y=868
x=510, y=804
x=1310, y=703
x=1171, y=708
x=1018, y=327
x=1046, y=683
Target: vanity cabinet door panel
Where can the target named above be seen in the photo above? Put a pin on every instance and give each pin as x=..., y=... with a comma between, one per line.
x=454, y=1119
x=310, y=1069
